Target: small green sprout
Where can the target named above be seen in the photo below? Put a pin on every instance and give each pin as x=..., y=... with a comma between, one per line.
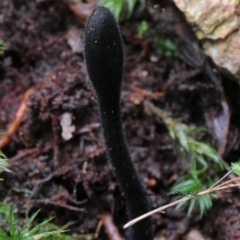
x=168, y=46
x=190, y=184
x=1, y=47
x=198, y=156
x=66, y=236
x=3, y=163
x=236, y=168
x=9, y=229
x=131, y=5
x=117, y=7
x=143, y=28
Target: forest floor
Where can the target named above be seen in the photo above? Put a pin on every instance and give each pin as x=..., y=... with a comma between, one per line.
x=56, y=150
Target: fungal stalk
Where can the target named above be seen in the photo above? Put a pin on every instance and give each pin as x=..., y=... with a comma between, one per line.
x=103, y=52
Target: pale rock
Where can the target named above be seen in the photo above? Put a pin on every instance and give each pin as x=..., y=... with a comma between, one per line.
x=194, y=235
x=67, y=127
x=216, y=23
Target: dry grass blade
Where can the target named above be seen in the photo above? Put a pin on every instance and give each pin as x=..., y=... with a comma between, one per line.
x=216, y=187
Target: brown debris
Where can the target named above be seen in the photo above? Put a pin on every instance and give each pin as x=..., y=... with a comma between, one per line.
x=80, y=9
x=110, y=227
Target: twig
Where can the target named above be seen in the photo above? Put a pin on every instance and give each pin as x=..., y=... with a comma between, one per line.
x=72, y=200
x=99, y=225
x=81, y=9
x=110, y=227
x=14, y=126
x=23, y=154
x=57, y=204
x=89, y=128
x=56, y=152
x=33, y=152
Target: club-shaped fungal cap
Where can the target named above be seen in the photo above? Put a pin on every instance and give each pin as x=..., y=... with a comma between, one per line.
x=103, y=52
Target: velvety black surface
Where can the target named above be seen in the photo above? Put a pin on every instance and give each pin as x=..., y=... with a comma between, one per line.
x=103, y=51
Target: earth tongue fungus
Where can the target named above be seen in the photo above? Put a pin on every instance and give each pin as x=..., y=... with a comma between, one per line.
x=103, y=52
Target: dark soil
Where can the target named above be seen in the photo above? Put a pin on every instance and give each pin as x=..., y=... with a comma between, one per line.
x=72, y=179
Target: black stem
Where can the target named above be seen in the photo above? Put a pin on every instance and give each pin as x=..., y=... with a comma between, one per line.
x=103, y=51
